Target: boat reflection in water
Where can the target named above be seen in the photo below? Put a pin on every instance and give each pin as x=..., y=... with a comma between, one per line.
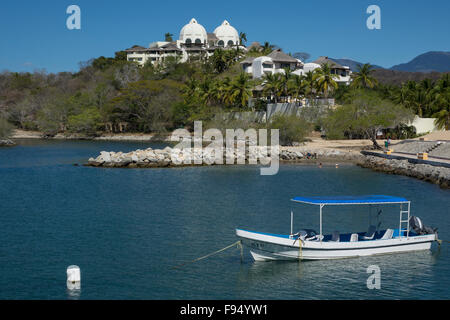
x=402, y=275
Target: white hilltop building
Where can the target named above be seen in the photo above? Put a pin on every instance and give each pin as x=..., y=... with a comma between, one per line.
x=277, y=61
x=226, y=35
x=194, y=43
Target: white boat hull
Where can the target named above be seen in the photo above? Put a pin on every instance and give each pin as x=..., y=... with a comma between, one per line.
x=266, y=247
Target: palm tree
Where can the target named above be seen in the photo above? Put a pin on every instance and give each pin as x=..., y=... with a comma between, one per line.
x=419, y=101
x=325, y=79
x=363, y=78
x=272, y=84
x=284, y=81
x=310, y=84
x=416, y=96
x=241, y=90
x=168, y=37
x=440, y=94
x=242, y=38
x=267, y=48
x=206, y=91
x=401, y=96
x=297, y=86
x=222, y=59
x=442, y=119
x=191, y=88
x=221, y=90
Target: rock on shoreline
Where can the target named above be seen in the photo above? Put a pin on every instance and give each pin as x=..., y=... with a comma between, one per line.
x=6, y=143
x=151, y=158
x=433, y=174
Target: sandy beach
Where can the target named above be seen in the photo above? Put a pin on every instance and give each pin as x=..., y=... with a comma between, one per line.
x=314, y=141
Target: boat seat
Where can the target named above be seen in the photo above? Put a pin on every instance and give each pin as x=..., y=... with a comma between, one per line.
x=388, y=234
x=370, y=234
x=335, y=236
x=354, y=237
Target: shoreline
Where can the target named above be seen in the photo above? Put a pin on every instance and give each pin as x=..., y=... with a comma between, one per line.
x=316, y=151
x=313, y=142
x=22, y=134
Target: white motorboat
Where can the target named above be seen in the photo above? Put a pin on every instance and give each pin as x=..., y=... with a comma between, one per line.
x=307, y=244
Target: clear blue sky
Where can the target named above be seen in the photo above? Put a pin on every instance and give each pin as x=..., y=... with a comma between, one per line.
x=34, y=34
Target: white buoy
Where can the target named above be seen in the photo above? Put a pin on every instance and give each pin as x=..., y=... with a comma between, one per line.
x=73, y=278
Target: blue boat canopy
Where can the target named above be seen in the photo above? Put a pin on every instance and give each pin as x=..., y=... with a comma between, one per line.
x=337, y=200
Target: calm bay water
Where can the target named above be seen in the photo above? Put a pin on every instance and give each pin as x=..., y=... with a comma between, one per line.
x=126, y=228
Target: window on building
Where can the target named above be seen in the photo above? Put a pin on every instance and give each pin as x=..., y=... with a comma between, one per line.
x=221, y=43
x=267, y=65
x=230, y=43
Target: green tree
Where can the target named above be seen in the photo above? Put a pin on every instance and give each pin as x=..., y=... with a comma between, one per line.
x=297, y=86
x=442, y=119
x=87, y=122
x=168, y=37
x=5, y=128
x=242, y=38
x=292, y=128
x=367, y=114
x=120, y=56
x=267, y=48
x=146, y=105
x=440, y=96
x=324, y=79
x=53, y=117
x=284, y=81
x=220, y=60
x=363, y=78
x=272, y=85
x=310, y=84
x=241, y=90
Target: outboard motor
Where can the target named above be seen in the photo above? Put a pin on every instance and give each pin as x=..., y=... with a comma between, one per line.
x=418, y=227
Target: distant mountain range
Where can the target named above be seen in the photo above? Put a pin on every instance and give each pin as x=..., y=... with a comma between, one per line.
x=427, y=62
x=438, y=61
x=352, y=64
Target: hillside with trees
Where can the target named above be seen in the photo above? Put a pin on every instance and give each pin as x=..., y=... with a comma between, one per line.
x=113, y=95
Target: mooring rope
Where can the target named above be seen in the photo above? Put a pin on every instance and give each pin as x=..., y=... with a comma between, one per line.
x=237, y=243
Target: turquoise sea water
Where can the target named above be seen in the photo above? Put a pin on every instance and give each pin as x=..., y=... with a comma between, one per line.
x=126, y=228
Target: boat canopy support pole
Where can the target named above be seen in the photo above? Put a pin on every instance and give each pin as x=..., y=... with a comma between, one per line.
x=321, y=206
x=292, y=222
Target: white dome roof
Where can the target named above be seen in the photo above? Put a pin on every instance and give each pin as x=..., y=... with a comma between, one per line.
x=194, y=32
x=226, y=33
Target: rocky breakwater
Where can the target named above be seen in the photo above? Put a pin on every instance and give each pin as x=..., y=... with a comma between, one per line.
x=303, y=154
x=168, y=157
x=433, y=174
